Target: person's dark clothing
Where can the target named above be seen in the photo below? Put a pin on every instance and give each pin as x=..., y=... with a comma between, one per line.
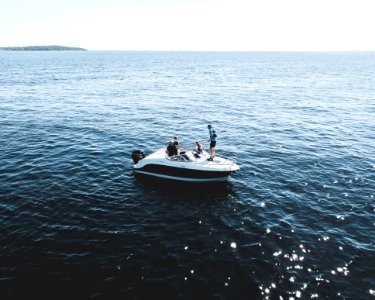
x=172, y=150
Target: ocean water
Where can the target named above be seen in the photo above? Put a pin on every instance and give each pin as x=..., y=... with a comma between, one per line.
x=296, y=222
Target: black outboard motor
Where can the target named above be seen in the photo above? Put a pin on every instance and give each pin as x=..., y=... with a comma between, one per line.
x=137, y=155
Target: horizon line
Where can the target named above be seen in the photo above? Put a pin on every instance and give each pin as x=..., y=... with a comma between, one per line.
x=198, y=50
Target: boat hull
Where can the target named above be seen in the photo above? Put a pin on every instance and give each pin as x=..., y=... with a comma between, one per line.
x=182, y=174
x=186, y=166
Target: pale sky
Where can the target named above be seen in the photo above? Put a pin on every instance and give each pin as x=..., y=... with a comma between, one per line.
x=202, y=25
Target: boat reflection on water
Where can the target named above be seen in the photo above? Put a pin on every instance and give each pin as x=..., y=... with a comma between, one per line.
x=183, y=189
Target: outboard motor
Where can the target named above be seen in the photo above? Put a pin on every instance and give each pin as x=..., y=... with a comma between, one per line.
x=137, y=155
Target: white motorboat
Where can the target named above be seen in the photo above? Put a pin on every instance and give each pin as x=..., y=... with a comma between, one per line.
x=186, y=166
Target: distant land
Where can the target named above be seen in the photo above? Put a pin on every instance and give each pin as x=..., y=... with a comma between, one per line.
x=42, y=48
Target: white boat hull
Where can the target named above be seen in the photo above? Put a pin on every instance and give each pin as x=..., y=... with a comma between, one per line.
x=186, y=167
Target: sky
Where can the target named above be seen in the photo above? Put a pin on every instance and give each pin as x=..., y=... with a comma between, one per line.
x=191, y=25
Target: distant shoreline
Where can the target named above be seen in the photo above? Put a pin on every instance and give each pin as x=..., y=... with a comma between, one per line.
x=42, y=48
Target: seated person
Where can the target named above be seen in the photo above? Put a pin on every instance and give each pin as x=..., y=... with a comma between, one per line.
x=198, y=147
x=171, y=149
x=175, y=141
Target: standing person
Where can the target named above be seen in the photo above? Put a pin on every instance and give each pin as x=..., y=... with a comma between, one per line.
x=212, y=141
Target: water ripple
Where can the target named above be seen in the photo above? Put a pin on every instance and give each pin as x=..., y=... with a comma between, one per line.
x=295, y=223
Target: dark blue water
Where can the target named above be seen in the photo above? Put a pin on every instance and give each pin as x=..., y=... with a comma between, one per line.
x=297, y=221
